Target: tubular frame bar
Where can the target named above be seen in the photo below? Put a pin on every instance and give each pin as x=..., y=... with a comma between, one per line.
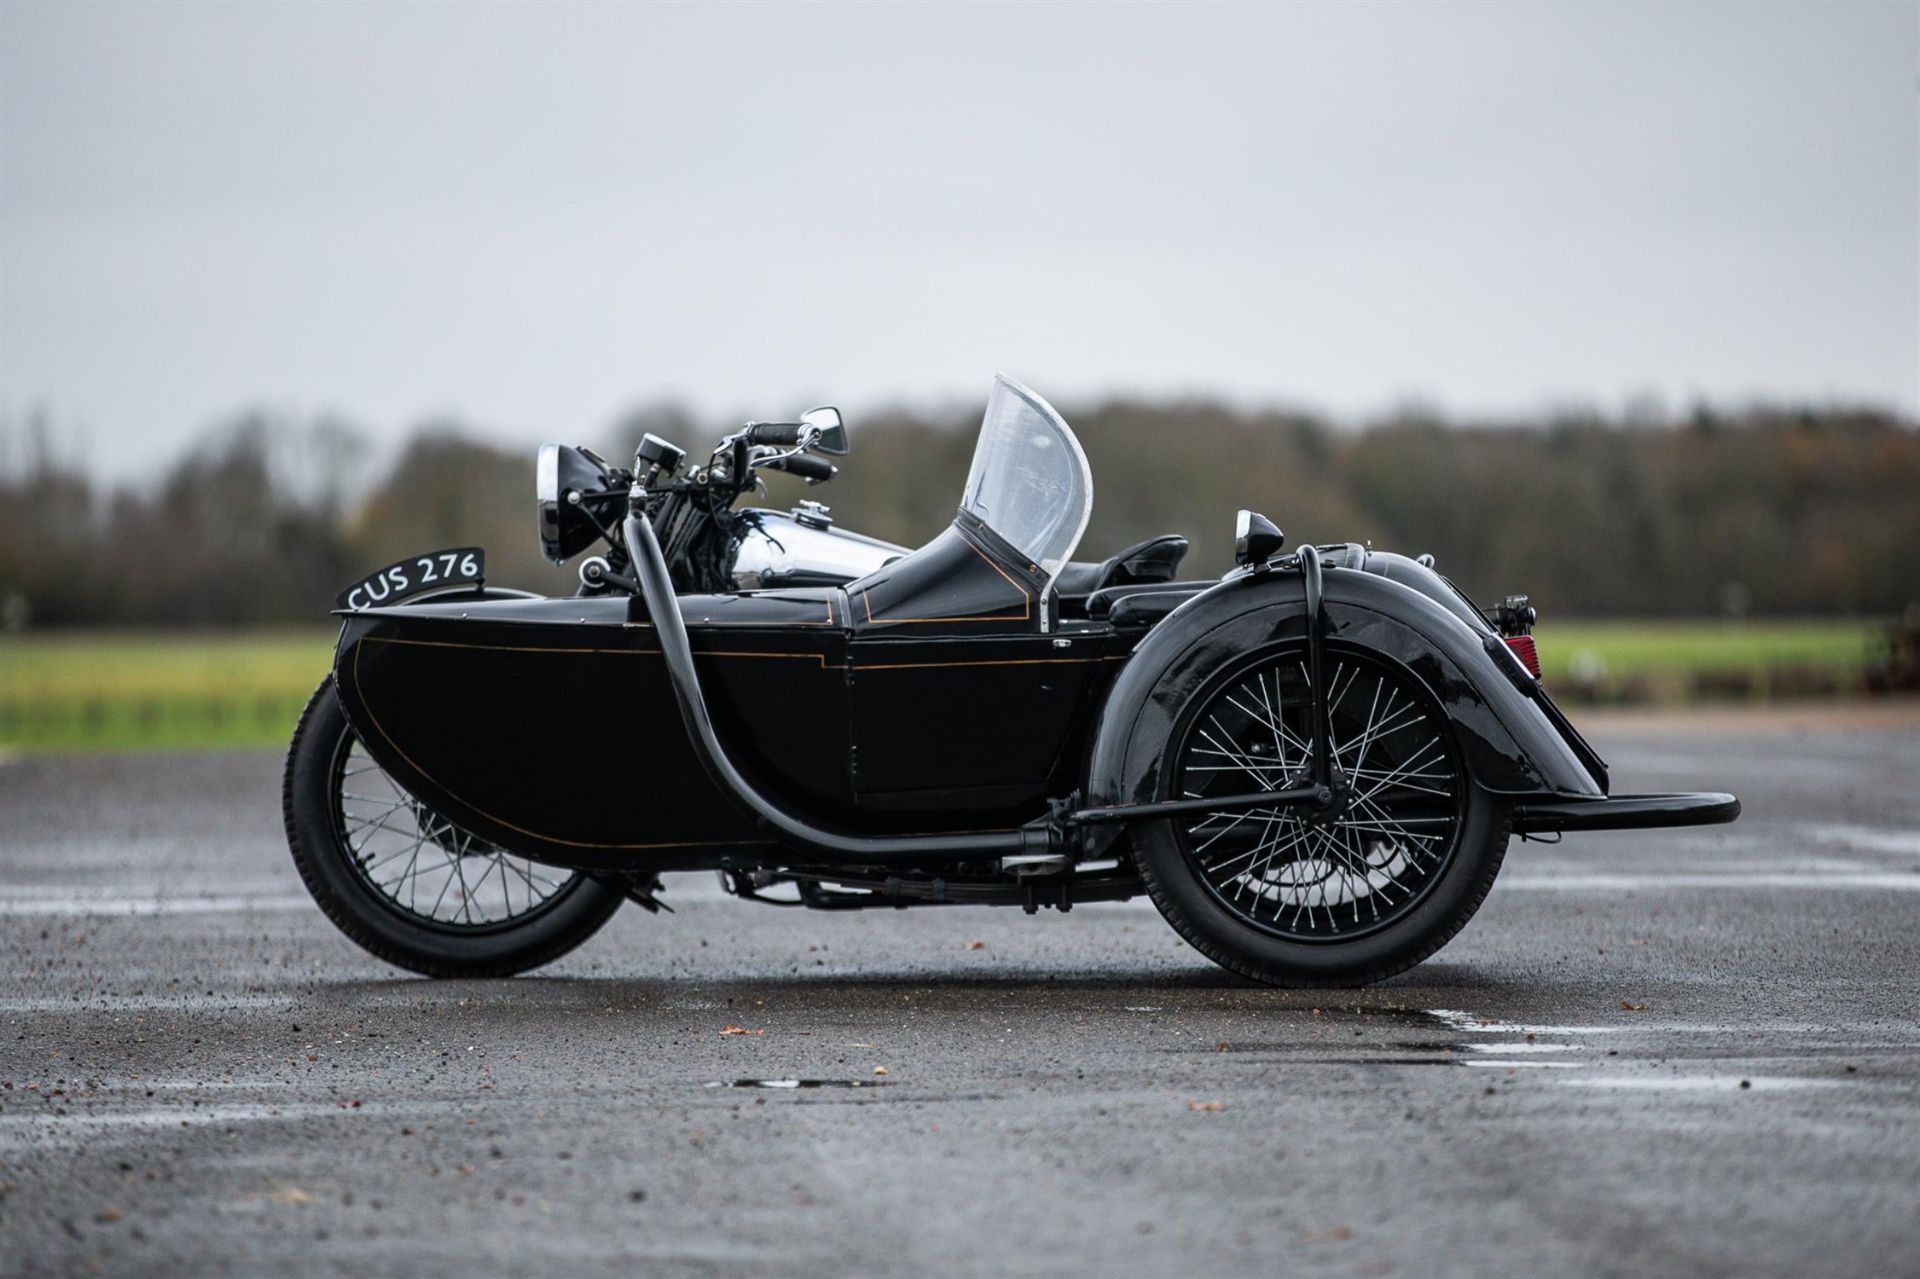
x=656, y=587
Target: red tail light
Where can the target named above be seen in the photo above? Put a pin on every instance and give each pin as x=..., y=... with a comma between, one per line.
x=1522, y=646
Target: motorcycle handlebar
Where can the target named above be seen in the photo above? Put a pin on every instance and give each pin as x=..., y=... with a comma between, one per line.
x=775, y=432
x=814, y=470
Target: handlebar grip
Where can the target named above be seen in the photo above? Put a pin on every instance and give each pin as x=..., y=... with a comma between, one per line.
x=814, y=470
x=775, y=432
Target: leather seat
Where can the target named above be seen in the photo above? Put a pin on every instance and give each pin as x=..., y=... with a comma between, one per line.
x=1143, y=605
x=1155, y=560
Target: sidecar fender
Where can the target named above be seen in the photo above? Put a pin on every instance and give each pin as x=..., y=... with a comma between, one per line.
x=1509, y=739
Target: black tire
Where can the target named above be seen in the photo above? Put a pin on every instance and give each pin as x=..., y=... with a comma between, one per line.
x=312, y=809
x=1189, y=895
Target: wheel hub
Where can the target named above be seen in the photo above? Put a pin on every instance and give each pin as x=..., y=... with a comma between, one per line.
x=1354, y=862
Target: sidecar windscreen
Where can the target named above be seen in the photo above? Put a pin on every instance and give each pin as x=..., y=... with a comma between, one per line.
x=1030, y=481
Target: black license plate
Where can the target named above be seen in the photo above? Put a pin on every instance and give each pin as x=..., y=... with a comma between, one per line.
x=433, y=571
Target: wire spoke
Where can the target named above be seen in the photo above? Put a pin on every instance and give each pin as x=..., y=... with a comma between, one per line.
x=425, y=866
x=1391, y=831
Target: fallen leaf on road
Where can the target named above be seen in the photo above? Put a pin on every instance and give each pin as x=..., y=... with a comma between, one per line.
x=289, y=1195
x=879, y=1070
x=976, y=945
x=739, y=1030
x=861, y=1045
x=1633, y=1008
x=1210, y=1106
x=107, y=1214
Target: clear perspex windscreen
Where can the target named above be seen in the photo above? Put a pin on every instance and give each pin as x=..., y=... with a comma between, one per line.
x=1030, y=481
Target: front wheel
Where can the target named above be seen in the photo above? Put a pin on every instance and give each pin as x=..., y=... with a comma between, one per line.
x=1342, y=897
x=407, y=884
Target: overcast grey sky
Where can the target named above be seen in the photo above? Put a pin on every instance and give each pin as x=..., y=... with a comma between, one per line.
x=534, y=217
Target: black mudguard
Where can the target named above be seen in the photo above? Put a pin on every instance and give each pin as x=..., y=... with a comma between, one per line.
x=1509, y=739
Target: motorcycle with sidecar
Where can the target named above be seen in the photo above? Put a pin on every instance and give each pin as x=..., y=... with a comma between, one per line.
x=1312, y=765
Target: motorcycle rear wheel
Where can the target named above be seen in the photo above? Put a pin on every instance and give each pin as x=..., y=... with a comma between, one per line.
x=1342, y=898
x=487, y=913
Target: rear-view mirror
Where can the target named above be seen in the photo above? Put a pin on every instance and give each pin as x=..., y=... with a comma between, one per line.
x=833, y=431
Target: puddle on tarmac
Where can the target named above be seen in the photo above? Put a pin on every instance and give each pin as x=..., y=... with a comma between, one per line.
x=1469, y=1039
x=1503, y=1063
x=1386, y=1061
x=798, y=1083
x=1445, y=1057
x=1473, y=1023
x=1517, y=1047
x=1707, y=1083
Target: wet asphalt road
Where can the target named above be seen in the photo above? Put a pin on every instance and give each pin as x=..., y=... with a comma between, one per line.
x=200, y=1076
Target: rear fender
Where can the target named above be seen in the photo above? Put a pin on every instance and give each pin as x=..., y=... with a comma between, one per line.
x=1508, y=742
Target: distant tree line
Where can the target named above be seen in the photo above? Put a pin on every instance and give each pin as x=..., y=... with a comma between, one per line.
x=1765, y=510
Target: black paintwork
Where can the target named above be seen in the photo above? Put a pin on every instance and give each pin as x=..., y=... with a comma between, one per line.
x=568, y=527
x=1507, y=743
x=942, y=695
x=794, y=830
x=966, y=581
x=527, y=720
x=1624, y=812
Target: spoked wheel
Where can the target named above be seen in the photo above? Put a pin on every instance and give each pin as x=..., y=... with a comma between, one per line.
x=427, y=868
x=407, y=884
x=1364, y=888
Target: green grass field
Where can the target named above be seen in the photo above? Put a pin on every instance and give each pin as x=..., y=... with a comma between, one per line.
x=1682, y=657
x=127, y=690
x=114, y=690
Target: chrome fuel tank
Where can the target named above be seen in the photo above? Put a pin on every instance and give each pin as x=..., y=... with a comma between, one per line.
x=802, y=548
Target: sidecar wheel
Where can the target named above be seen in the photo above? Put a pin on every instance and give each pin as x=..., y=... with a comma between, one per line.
x=361, y=843
x=1343, y=898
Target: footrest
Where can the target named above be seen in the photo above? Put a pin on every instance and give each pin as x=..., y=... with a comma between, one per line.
x=1624, y=812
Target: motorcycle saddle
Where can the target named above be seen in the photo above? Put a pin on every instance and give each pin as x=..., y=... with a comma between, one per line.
x=1155, y=560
